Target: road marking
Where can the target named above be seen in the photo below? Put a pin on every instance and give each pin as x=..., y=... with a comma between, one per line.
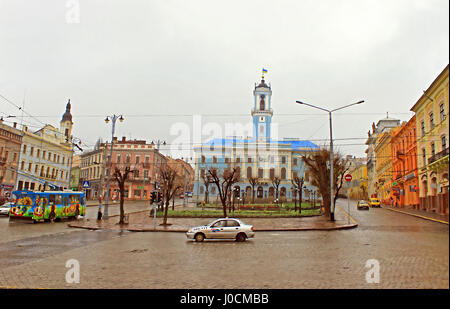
x=419, y=216
x=351, y=218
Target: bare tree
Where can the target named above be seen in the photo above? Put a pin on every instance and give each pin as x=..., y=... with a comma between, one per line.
x=170, y=183
x=298, y=182
x=276, y=185
x=316, y=164
x=254, y=181
x=206, y=181
x=224, y=184
x=121, y=176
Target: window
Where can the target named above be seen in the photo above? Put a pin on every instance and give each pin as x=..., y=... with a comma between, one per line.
x=283, y=173
x=424, y=156
x=442, y=112
x=249, y=172
x=295, y=161
x=294, y=175
x=31, y=151
x=232, y=223
x=431, y=120
x=43, y=154
x=136, y=174
x=221, y=223
x=137, y=159
x=227, y=160
x=260, y=173
x=203, y=159
x=22, y=165
x=29, y=167
x=24, y=149
x=128, y=159
x=433, y=149
x=38, y=153
x=238, y=160
x=137, y=192
x=249, y=159
x=146, y=174
x=272, y=173
x=283, y=160
x=444, y=142
x=422, y=127
x=118, y=158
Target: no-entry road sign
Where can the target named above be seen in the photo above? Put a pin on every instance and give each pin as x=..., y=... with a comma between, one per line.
x=348, y=177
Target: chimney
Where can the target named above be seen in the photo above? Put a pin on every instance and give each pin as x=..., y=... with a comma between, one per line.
x=15, y=125
x=114, y=139
x=124, y=138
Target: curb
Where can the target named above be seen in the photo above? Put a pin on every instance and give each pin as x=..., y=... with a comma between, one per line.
x=342, y=227
x=415, y=215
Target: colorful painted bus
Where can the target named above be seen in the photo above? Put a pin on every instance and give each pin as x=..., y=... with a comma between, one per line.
x=47, y=205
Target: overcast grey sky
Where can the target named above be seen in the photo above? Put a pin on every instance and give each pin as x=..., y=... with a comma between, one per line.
x=150, y=59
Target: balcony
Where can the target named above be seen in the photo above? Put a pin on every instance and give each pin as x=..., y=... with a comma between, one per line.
x=438, y=156
x=264, y=112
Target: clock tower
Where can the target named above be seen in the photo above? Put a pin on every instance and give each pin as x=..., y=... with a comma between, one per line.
x=262, y=111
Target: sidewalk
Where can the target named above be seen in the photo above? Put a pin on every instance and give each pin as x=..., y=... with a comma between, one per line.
x=142, y=222
x=427, y=215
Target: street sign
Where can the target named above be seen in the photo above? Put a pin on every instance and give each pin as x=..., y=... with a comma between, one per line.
x=86, y=184
x=348, y=177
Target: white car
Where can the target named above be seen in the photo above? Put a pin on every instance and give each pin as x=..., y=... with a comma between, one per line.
x=225, y=228
x=4, y=209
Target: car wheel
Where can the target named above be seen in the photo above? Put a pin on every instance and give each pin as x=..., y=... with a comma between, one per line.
x=199, y=237
x=241, y=237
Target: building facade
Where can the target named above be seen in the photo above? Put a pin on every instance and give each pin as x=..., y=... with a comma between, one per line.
x=10, y=144
x=258, y=157
x=143, y=158
x=382, y=126
x=357, y=188
x=431, y=112
x=45, y=156
x=404, y=165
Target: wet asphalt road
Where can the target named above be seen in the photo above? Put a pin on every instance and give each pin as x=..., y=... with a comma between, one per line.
x=412, y=253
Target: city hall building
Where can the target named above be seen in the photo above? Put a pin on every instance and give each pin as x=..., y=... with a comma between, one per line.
x=259, y=156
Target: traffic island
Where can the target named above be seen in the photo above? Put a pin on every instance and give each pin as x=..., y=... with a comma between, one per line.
x=142, y=222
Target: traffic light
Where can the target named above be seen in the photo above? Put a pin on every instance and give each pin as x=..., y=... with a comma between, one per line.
x=159, y=196
x=153, y=197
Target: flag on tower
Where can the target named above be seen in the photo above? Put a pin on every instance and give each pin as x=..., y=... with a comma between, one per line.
x=264, y=70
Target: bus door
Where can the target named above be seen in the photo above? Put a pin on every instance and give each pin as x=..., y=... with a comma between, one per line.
x=51, y=206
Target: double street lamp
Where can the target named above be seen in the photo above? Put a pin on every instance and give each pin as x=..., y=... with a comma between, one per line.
x=331, y=149
x=113, y=119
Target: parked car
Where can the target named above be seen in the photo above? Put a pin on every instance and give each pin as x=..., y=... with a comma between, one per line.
x=374, y=202
x=189, y=194
x=224, y=228
x=4, y=209
x=362, y=205
x=181, y=195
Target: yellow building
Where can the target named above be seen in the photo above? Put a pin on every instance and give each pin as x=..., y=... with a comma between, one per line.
x=45, y=156
x=357, y=188
x=432, y=144
x=383, y=151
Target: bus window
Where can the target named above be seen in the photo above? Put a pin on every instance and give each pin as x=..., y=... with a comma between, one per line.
x=74, y=199
x=58, y=199
x=51, y=199
x=65, y=200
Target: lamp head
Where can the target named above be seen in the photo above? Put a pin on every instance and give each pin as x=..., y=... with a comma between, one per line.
x=121, y=119
x=107, y=119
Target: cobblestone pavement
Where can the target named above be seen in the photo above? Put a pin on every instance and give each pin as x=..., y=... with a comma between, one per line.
x=412, y=253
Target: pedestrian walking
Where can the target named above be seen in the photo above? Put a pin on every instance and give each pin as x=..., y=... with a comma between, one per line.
x=99, y=214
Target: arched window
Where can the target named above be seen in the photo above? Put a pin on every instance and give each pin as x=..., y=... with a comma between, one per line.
x=260, y=173
x=262, y=104
x=283, y=191
x=272, y=173
x=260, y=192
x=249, y=172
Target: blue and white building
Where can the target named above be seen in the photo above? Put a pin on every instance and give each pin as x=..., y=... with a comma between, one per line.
x=258, y=156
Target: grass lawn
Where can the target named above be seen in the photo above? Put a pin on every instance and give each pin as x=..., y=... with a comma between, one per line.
x=214, y=213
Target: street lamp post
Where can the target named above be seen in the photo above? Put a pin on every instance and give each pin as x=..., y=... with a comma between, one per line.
x=114, y=119
x=331, y=149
